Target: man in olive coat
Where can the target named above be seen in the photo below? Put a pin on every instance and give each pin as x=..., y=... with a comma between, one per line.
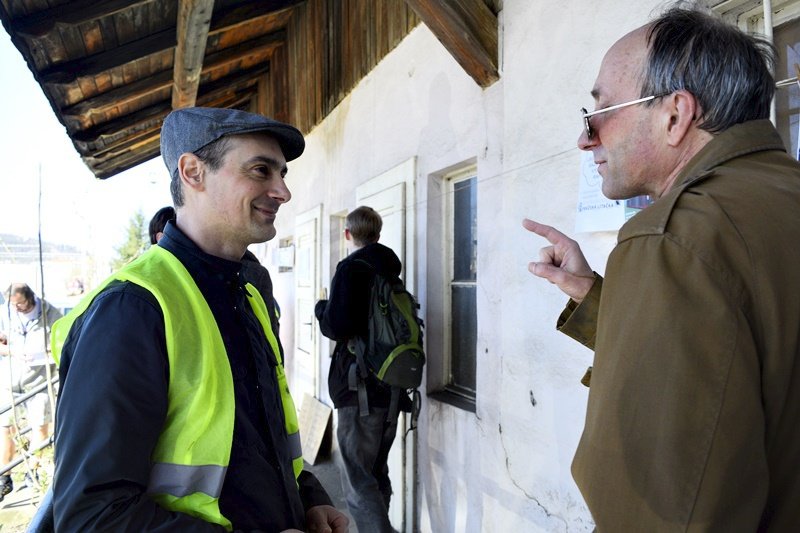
x=694, y=400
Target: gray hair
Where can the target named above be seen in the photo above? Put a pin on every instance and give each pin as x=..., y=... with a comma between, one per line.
x=727, y=70
x=212, y=154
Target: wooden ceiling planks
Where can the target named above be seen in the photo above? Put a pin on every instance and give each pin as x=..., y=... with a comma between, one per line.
x=108, y=67
x=39, y=22
x=333, y=44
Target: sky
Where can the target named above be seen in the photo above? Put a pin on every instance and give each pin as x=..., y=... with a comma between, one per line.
x=77, y=209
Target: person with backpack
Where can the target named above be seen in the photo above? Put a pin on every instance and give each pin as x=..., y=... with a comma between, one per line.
x=365, y=432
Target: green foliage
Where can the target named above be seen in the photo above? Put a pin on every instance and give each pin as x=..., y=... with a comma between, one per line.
x=136, y=241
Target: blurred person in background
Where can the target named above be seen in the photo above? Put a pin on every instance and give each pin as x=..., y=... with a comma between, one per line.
x=25, y=364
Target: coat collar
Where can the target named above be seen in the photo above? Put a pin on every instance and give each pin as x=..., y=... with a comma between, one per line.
x=739, y=140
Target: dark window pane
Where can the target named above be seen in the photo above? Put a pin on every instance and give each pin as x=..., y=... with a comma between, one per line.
x=464, y=336
x=465, y=230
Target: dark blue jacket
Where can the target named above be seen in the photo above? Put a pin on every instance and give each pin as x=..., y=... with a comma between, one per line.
x=113, y=401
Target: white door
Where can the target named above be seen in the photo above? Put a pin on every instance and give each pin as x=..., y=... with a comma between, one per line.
x=304, y=377
x=338, y=251
x=389, y=203
x=391, y=195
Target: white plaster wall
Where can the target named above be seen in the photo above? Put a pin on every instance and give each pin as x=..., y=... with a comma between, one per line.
x=552, y=52
x=505, y=467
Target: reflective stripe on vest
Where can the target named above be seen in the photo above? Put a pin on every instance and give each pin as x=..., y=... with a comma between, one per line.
x=193, y=450
x=182, y=480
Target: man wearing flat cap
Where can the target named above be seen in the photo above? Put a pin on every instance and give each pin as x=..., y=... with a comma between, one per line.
x=174, y=412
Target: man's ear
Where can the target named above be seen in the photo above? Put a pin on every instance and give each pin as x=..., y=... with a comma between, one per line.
x=682, y=109
x=192, y=171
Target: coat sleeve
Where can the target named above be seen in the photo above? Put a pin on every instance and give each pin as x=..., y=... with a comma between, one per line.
x=111, y=408
x=312, y=492
x=674, y=434
x=579, y=320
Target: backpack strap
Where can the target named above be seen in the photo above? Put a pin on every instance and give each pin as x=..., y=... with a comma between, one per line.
x=355, y=376
x=357, y=347
x=394, y=407
x=356, y=383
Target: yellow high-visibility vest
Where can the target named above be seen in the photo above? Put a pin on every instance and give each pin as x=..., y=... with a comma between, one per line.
x=192, y=453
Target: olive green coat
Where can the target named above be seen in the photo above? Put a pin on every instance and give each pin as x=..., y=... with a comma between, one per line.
x=693, y=420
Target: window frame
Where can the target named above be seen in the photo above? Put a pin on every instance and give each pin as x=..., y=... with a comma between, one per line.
x=444, y=387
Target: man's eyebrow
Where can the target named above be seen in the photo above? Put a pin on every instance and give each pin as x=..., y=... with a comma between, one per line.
x=272, y=163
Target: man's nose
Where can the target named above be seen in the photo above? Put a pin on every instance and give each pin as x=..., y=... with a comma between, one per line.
x=279, y=191
x=585, y=143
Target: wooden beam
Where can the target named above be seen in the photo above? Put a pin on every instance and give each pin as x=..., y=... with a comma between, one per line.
x=251, y=11
x=112, y=167
x=83, y=111
x=126, y=94
x=194, y=21
x=259, y=47
x=95, y=139
x=468, y=30
x=72, y=13
x=112, y=149
x=133, y=145
x=85, y=140
x=69, y=71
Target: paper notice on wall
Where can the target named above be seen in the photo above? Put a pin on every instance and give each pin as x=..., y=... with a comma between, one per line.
x=595, y=212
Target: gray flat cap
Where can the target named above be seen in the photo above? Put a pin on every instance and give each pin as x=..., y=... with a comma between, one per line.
x=191, y=128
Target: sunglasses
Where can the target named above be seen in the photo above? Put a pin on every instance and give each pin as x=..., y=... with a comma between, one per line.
x=587, y=126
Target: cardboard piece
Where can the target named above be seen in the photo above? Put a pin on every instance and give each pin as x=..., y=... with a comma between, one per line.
x=316, y=429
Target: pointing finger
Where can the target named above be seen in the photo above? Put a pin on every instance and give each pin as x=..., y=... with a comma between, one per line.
x=543, y=230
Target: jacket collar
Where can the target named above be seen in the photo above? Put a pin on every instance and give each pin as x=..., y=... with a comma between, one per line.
x=738, y=140
x=195, y=259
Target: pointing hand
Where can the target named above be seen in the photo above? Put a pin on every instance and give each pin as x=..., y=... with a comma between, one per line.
x=562, y=263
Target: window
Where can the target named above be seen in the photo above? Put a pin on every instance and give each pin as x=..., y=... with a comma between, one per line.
x=785, y=31
x=787, y=97
x=462, y=238
x=451, y=280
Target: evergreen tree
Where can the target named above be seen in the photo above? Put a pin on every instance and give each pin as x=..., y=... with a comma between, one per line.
x=135, y=243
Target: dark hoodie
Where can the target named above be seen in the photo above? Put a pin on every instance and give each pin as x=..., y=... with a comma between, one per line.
x=344, y=316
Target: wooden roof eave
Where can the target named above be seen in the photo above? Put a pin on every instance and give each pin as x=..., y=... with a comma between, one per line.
x=468, y=30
